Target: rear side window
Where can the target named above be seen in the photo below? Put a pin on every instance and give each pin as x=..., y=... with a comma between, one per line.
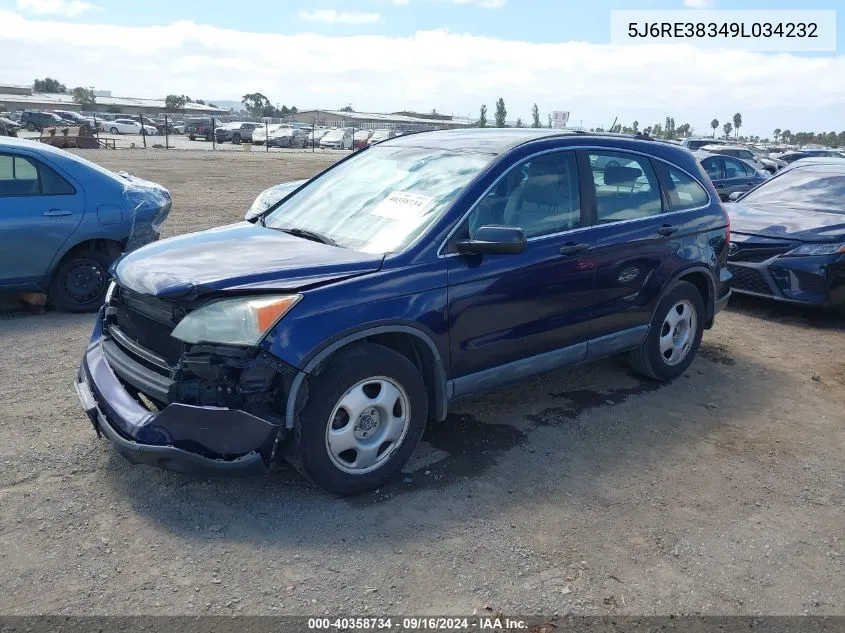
x=682, y=191
x=711, y=166
x=626, y=186
x=21, y=176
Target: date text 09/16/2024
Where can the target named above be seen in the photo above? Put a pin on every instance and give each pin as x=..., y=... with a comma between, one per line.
x=417, y=624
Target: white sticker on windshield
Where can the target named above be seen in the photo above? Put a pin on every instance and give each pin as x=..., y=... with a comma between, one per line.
x=403, y=207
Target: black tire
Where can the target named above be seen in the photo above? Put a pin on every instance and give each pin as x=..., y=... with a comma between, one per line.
x=648, y=360
x=30, y=126
x=308, y=449
x=81, y=280
x=114, y=130
x=236, y=139
x=191, y=137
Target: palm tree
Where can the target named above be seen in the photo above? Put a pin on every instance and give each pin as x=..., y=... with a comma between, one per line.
x=714, y=124
x=727, y=127
x=737, y=123
x=776, y=134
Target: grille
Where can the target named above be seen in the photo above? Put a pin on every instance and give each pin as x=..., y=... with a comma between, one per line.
x=810, y=282
x=757, y=255
x=748, y=279
x=148, y=322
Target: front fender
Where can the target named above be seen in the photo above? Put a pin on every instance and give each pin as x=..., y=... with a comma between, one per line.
x=319, y=354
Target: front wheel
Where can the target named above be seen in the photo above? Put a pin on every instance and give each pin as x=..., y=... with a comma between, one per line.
x=30, y=126
x=236, y=139
x=81, y=281
x=674, y=335
x=364, y=417
x=114, y=130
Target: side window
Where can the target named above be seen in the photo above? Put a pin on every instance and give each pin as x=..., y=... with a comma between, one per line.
x=18, y=177
x=683, y=191
x=52, y=184
x=21, y=176
x=734, y=169
x=711, y=166
x=541, y=196
x=626, y=186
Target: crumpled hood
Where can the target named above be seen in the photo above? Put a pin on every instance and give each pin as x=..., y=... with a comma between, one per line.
x=240, y=256
x=785, y=222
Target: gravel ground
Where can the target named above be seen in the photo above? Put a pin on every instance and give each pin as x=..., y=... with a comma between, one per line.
x=585, y=491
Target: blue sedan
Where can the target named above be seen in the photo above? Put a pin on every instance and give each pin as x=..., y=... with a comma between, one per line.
x=64, y=220
x=730, y=175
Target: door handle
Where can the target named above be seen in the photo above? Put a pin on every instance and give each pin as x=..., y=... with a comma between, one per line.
x=53, y=213
x=571, y=248
x=667, y=230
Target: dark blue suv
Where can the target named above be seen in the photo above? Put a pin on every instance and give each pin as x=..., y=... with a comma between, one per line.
x=335, y=325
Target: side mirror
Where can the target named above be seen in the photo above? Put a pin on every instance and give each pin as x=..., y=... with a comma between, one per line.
x=736, y=195
x=494, y=240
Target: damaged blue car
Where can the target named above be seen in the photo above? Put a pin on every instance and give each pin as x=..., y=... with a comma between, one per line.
x=351, y=310
x=64, y=220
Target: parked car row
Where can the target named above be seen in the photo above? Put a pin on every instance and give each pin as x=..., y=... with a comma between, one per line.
x=556, y=248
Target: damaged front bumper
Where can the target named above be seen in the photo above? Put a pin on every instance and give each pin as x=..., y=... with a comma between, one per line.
x=179, y=437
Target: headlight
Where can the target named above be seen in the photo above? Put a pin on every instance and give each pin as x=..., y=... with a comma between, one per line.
x=234, y=321
x=816, y=249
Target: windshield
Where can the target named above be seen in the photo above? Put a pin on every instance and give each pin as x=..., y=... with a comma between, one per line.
x=801, y=187
x=382, y=199
x=334, y=135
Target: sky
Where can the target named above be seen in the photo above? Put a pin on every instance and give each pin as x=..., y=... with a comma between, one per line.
x=422, y=55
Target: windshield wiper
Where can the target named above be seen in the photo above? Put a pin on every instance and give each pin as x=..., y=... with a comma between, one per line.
x=310, y=235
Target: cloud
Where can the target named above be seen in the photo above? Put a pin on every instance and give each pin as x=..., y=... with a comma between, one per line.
x=452, y=72
x=67, y=8
x=698, y=4
x=330, y=16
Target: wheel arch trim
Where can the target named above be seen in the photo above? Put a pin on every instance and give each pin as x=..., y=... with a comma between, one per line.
x=709, y=302
x=322, y=353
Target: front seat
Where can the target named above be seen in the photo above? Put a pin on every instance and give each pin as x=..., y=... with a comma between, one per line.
x=547, y=202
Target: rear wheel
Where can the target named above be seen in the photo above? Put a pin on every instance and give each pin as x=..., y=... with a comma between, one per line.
x=236, y=139
x=191, y=137
x=364, y=417
x=114, y=130
x=30, y=126
x=81, y=281
x=674, y=336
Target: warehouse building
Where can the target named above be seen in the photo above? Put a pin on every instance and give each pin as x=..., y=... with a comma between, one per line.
x=14, y=98
x=370, y=120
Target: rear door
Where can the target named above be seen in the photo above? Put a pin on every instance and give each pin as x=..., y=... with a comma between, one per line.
x=39, y=210
x=639, y=236
x=508, y=308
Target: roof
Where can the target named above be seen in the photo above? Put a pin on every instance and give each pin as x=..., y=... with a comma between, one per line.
x=820, y=163
x=40, y=98
x=373, y=116
x=499, y=140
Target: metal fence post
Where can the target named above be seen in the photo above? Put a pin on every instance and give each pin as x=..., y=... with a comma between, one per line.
x=213, y=136
x=266, y=136
x=166, y=133
x=143, y=131
x=96, y=129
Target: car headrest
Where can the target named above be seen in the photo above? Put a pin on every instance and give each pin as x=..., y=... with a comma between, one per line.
x=543, y=184
x=617, y=175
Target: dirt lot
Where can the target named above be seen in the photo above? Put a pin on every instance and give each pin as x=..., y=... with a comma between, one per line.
x=587, y=491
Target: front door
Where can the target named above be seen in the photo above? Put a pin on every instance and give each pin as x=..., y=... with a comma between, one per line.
x=39, y=210
x=512, y=313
